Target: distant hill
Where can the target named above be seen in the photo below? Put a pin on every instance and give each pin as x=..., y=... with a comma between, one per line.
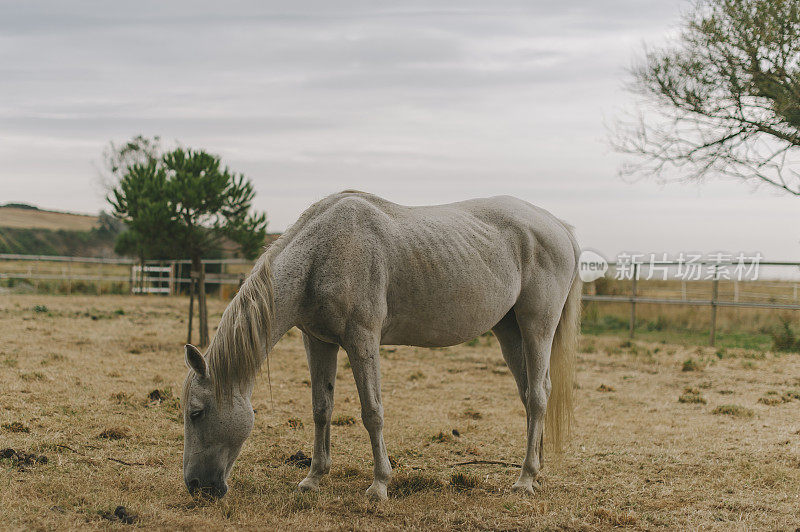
x=21, y=216
x=28, y=230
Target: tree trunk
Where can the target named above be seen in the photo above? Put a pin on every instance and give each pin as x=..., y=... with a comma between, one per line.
x=198, y=267
x=191, y=307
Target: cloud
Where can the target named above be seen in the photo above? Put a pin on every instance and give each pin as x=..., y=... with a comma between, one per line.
x=423, y=101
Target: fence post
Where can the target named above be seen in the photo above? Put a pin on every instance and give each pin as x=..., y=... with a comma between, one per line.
x=100, y=279
x=714, y=294
x=172, y=278
x=632, y=324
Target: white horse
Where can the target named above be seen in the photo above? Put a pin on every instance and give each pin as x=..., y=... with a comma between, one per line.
x=358, y=271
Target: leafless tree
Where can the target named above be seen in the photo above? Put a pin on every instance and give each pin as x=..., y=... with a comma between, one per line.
x=723, y=100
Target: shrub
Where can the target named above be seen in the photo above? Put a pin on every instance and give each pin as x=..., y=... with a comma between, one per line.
x=785, y=339
x=733, y=410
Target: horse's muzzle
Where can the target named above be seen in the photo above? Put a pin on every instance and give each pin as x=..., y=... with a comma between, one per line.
x=215, y=490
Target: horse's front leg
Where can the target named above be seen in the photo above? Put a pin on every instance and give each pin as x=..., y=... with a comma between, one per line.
x=363, y=351
x=322, y=366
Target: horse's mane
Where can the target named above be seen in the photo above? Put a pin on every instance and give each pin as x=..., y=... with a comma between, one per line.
x=236, y=352
x=238, y=348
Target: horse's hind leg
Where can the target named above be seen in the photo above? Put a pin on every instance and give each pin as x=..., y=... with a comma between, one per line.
x=322, y=366
x=538, y=311
x=507, y=333
x=363, y=348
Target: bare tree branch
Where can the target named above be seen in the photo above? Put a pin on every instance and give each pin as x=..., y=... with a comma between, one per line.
x=724, y=100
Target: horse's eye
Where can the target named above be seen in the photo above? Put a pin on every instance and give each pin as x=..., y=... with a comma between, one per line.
x=195, y=415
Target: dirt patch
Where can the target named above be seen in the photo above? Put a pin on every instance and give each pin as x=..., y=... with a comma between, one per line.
x=20, y=459
x=114, y=433
x=299, y=459
x=121, y=515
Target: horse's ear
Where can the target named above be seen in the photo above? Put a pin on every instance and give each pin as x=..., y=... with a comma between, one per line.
x=195, y=361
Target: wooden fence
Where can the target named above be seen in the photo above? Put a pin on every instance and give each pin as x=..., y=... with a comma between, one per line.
x=123, y=275
x=713, y=299
x=172, y=277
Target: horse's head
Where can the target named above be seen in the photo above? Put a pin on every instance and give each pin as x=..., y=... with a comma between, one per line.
x=214, y=431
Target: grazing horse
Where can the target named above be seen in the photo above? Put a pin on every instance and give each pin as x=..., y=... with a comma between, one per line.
x=358, y=271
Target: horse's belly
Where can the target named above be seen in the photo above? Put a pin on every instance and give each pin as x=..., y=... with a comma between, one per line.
x=440, y=323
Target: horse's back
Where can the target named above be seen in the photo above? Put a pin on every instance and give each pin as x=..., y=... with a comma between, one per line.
x=426, y=275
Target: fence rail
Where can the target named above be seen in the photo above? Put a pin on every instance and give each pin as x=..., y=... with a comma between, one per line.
x=167, y=277
x=713, y=302
x=154, y=277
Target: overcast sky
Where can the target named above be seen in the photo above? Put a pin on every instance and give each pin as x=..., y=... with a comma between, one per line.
x=421, y=102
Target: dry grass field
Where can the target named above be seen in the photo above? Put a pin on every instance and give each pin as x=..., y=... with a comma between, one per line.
x=38, y=219
x=666, y=436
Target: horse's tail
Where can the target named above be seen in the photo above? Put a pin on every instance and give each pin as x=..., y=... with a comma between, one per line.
x=562, y=367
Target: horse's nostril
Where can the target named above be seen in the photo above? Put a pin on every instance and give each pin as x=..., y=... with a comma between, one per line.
x=220, y=490
x=193, y=485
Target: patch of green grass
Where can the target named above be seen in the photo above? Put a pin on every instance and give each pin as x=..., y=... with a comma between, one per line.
x=344, y=420
x=114, y=433
x=404, y=485
x=40, y=309
x=690, y=364
x=464, y=481
x=733, y=410
x=793, y=394
x=692, y=396
x=771, y=400
x=442, y=437
x=33, y=376
x=588, y=347
x=738, y=339
x=16, y=426
x=472, y=414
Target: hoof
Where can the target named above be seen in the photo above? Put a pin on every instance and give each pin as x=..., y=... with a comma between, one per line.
x=377, y=492
x=525, y=487
x=308, y=484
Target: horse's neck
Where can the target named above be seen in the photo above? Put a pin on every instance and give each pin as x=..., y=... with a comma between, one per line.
x=288, y=281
